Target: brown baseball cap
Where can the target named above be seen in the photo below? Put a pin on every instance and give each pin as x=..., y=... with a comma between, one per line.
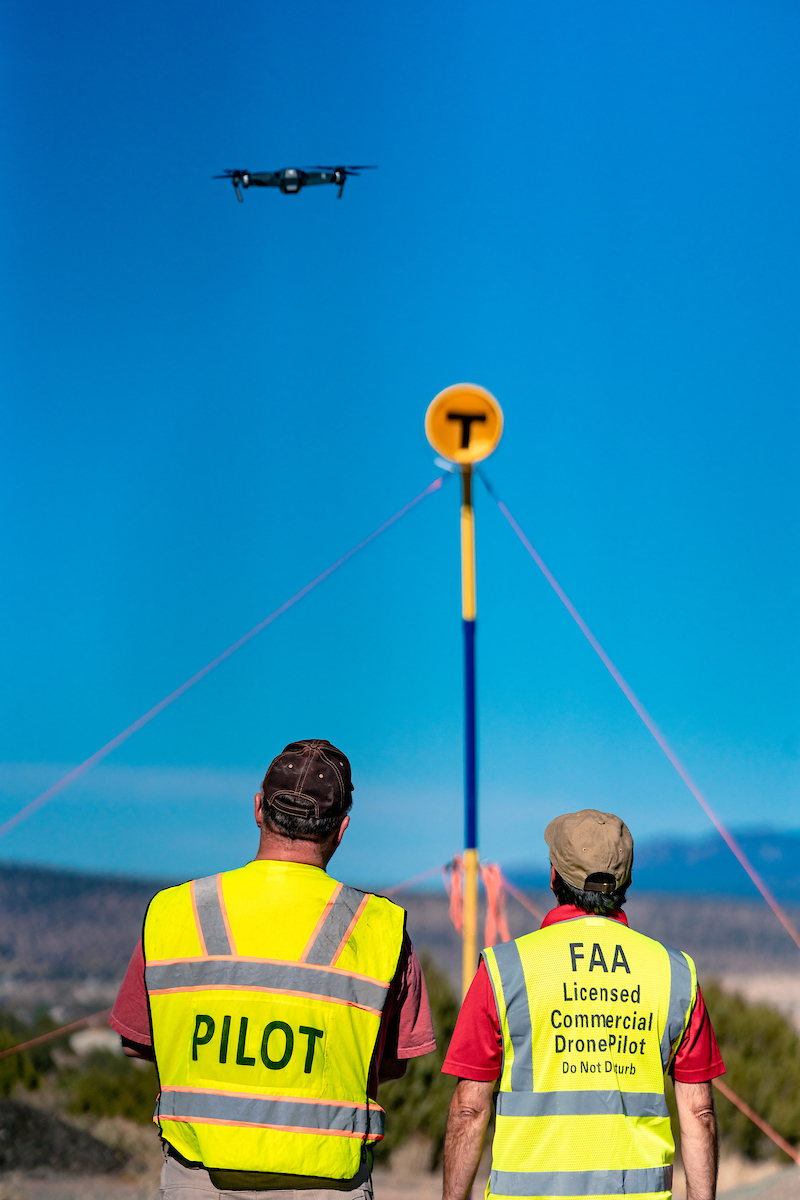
x=310, y=778
x=588, y=843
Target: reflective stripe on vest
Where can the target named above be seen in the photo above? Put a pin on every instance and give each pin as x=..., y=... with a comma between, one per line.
x=291, y=979
x=681, y=1000
x=580, y=1104
x=266, y=987
x=334, y=927
x=581, y=1183
x=592, y=1013
x=518, y=1015
x=272, y=1112
x=212, y=921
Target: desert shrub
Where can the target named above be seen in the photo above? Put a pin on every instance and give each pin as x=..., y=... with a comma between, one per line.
x=106, y=1085
x=418, y=1102
x=28, y=1068
x=761, y=1051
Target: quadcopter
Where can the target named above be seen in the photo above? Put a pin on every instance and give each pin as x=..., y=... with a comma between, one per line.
x=291, y=179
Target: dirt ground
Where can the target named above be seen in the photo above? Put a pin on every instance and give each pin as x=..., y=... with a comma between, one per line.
x=739, y=1180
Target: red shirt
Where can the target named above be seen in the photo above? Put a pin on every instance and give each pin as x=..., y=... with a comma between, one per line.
x=406, y=1029
x=476, y=1048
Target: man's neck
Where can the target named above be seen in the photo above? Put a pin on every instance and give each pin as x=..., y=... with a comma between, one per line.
x=293, y=850
x=568, y=912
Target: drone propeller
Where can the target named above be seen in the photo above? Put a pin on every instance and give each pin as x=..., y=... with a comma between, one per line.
x=237, y=178
x=347, y=170
x=340, y=174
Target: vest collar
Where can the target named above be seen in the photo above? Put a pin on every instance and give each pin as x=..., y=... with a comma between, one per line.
x=568, y=912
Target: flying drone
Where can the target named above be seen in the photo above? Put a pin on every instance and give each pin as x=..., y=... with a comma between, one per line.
x=291, y=179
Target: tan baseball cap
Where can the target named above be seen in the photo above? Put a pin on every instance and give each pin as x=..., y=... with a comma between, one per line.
x=588, y=843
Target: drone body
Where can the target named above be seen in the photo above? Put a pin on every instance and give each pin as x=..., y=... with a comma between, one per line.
x=291, y=179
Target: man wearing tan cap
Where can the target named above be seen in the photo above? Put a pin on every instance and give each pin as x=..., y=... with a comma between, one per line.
x=580, y=1021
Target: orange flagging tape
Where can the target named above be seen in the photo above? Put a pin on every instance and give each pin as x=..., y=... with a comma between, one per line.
x=494, y=884
x=750, y=1113
x=648, y=721
x=94, y=1019
x=453, y=880
x=100, y=754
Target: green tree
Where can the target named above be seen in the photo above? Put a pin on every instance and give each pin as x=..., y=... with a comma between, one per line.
x=106, y=1085
x=28, y=1068
x=418, y=1102
x=761, y=1051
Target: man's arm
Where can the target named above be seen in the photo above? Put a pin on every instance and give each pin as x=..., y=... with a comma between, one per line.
x=392, y=1068
x=470, y=1109
x=699, y=1141
x=129, y=1016
x=137, y=1050
x=406, y=1029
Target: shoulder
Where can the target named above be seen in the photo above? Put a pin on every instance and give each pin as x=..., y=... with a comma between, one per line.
x=375, y=903
x=679, y=960
x=170, y=898
x=382, y=915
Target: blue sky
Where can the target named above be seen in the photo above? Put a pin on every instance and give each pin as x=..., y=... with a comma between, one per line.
x=590, y=210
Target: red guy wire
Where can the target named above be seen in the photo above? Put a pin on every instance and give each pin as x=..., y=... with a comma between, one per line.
x=94, y=1019
x=522, y=899
x=104, y=751
x=753, y=1116
x=644, y=715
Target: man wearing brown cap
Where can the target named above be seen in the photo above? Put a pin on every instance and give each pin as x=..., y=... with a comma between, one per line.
x=580, y=1021
x=273, y=1001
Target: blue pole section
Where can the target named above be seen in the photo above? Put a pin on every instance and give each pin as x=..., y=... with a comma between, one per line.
x=470, y=751
x=468, y=615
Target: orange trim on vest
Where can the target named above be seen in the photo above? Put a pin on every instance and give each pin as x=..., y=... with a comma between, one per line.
x=278, y=1128
x=321, y=1100
x=278, y=962
x=272, y=991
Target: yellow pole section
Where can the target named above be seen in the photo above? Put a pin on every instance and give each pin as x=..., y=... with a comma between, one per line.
x=468, y=597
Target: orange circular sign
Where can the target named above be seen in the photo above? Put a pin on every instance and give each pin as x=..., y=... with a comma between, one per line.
x=464, y=423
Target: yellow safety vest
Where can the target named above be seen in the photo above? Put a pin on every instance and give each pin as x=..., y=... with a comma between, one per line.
x=592, y=1014
x=266, y=987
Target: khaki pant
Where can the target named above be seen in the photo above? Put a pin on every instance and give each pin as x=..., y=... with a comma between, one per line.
x=195, y=1183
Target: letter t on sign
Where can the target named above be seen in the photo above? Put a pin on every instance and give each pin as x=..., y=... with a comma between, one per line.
x=466, y=420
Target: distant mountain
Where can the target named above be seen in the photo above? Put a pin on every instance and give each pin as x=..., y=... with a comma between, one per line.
x=66, y=937
x=706, y=865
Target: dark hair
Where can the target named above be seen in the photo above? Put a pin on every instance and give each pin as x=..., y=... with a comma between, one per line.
x=590, y=902
x=300, y=827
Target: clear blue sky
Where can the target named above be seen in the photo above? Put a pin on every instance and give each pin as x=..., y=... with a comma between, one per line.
x=592, y=210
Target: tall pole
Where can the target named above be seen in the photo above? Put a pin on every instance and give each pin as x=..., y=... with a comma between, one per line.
x=468, y=615
x=464, y=423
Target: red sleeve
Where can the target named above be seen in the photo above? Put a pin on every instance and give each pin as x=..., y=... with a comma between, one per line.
x=698, y=1059
x=476, y=1047
x=407, y=1025
x=406, y=1029
x=129, y=1015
